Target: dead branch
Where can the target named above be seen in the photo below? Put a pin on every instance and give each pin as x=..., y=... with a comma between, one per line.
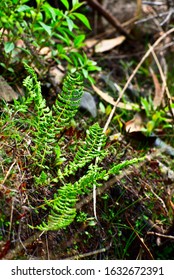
x=109, y=17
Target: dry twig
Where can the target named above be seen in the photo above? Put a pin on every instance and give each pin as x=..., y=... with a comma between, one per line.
x=109, y=17
x=161, y=235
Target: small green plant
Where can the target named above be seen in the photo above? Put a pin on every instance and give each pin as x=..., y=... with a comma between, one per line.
x=155, y=117
x=44, y=126
x=25, y=30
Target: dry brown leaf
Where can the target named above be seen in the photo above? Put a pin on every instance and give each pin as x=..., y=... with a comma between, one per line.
x=109, y=99
x=136, y=124
x=56, y=75
x=91, y=43
x=109, y=44
x=20, y=43
x=159, y=93
x=44, y=51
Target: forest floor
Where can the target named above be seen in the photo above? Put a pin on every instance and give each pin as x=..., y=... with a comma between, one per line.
x=135, y=208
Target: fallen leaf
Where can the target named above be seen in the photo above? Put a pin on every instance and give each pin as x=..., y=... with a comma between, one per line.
x=109, y=44
x=159, y=93
x=109, y=99
x=136, y=124
x=56, y=75
x=88, y=102
x=44, y=51
x=91, y=43
x=116, y=137
x=20, y=43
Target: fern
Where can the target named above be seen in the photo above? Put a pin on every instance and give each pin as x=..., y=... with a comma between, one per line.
x=68, y=101
x=46, y=123
x=63, y=206
x=116, y=168
x=33, y=92
x=42, y=121
x=64, y=203
x=88, y=151
x=63, y=210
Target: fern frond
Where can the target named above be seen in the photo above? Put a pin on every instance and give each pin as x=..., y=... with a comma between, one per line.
x=68, y=100
x=33, y=86
x=116, y=168
x=33, y=90
x=63, y=206
x=46, y=123
x=89, y=150
x=42, y=121
x=63, y=210
x=93, y=175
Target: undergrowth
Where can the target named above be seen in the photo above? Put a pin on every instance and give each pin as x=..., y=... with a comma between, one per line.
x=40, y=129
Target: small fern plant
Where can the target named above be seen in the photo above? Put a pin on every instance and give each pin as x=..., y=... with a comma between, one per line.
x=43, y=125
x=46, y=123
x=63, y=206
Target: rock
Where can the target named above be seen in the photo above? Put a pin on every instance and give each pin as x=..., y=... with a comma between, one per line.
x=6, y=91
x=88, y=103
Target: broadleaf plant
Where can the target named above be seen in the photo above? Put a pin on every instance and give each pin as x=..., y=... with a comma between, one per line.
x=39, y=27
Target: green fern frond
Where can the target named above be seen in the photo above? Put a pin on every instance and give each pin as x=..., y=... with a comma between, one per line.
x=68, y=100
x=116, y=168
x=41, y=121
x=46, y=123
x=93, y=176
x=33, y=91
x=64, y=204
x=33, y=87
x=89, y=150
x=63, y=209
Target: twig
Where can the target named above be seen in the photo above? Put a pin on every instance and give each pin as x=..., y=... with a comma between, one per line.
x=157, y=196
x=11, y=218
x=153, y=3
x=80, y=256
x=8, y=172
x=161, y=235
x=155, y=226
x=109, y=17
x=19, y=247
x=140, y=239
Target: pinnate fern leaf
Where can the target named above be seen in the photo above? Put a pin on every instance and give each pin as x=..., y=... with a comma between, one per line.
x=63, y=206
x=63, y=209
x=95, y=138
x=68, y=100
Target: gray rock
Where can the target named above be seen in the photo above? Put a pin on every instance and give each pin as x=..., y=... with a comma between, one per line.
x=88, y=102
x=6, y=91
